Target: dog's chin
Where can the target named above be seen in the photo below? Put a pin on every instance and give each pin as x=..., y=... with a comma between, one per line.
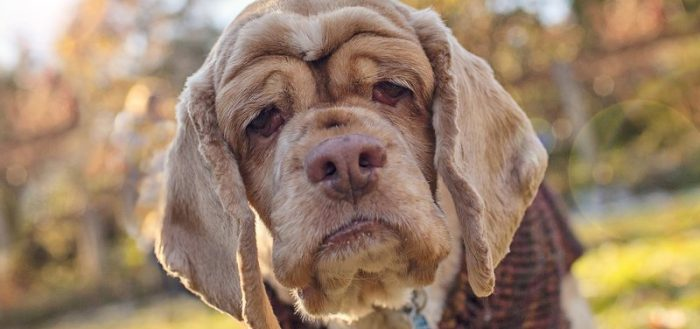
x=361, y=266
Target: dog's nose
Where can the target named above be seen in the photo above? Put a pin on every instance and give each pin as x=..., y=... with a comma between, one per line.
x=345, y=166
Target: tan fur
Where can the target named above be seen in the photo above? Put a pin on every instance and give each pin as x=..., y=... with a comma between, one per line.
x=317, y=61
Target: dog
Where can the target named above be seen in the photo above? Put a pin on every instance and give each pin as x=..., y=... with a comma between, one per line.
x=351, y=159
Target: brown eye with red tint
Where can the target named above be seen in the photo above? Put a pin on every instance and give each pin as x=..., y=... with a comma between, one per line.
x=389, y=93
x=267, y=122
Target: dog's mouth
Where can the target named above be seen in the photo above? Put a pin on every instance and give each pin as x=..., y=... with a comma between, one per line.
x=357, y=235
x=357, y=228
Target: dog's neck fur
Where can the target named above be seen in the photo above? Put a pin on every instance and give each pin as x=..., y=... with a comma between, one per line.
x=436, y=293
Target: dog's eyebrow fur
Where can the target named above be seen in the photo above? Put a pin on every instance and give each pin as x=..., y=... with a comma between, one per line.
x=399, y=64
x=247, y=94
x=242, y=98
x=308, y=38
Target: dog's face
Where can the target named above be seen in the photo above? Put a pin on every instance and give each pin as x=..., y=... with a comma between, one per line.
x=336, y=157
x=334, y=120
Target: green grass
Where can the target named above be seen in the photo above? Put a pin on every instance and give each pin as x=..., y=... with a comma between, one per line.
x=180, y=312
x=642, y=268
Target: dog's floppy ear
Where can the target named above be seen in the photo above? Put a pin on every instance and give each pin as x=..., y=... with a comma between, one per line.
x=486, y=150
x=207, y=237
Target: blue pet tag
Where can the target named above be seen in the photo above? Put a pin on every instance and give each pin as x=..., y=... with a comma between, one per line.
x=418, y=301
x=418, y=321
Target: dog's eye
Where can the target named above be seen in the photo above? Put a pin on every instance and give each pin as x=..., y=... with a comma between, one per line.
x=388, y=93
x=267, y=122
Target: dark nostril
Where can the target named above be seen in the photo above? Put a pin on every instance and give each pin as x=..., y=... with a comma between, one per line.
x=364, y=160
x=333, y=124
x=372, y=156
x=329, y=169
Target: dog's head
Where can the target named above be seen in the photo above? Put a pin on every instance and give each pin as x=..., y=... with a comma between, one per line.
x=333, y=121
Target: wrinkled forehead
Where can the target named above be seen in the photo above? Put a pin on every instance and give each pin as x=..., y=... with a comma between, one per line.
x=305, y=29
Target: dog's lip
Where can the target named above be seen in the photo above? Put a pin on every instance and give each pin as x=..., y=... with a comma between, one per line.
x=353, y=230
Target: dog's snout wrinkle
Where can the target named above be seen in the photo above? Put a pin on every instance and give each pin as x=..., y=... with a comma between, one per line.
x=345, y=167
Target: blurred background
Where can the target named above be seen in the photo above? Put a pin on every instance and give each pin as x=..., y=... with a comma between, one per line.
x=87, y=95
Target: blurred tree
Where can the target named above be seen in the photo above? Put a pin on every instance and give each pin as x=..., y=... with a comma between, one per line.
x=68, y=183
x=39, y=109
x=5, y=268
